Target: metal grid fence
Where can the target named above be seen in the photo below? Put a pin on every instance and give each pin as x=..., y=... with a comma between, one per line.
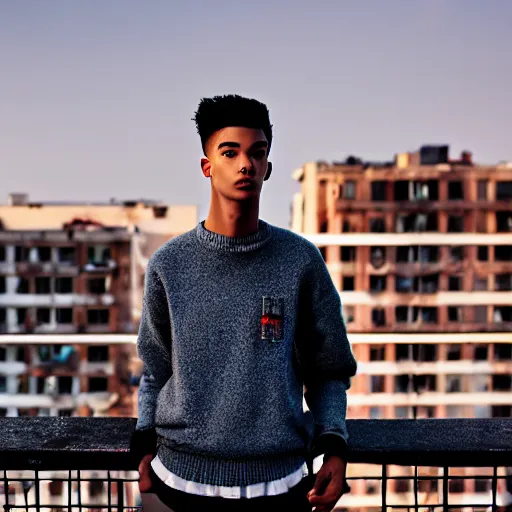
x=51, y=464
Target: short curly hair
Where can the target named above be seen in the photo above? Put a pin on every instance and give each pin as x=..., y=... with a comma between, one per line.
x=219, y=112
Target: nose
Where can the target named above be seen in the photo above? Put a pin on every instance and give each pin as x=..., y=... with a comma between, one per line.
x=247, y=166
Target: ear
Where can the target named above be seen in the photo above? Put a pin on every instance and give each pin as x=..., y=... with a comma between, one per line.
x=269, y=171
x=206, y=167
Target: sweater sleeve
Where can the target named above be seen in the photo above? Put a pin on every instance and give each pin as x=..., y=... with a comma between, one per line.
x=154, y=349
x=326, y=358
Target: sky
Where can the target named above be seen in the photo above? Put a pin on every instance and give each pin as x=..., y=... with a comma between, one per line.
x=96, y=97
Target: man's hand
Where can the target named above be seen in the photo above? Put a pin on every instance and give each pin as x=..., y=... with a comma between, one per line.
x=329, y=484
x=145, y=483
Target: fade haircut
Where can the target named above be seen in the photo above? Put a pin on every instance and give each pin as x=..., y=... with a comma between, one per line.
x=219, y=112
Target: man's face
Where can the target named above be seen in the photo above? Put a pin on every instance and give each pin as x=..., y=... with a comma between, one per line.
x=236, y=162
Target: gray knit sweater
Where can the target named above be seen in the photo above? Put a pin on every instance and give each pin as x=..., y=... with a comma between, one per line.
x=231, y=331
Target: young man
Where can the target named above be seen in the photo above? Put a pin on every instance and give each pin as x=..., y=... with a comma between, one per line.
x=238, y=317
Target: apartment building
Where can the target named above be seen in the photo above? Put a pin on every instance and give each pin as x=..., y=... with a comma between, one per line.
x=420, y=249
x=69, y=275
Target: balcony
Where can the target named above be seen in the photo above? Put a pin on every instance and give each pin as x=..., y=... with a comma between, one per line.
x=85, y=463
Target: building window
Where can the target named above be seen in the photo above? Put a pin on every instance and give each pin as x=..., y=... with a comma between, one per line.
x=416, y=222
x=379, y=317
x=2, y=252
x=501, y=411
x=455, y=314
x=402, y=412
x=480, y=284
x=65, y=385
x=3, y=319
x=377, y=225
x=3, y=287
x=23, y=286
x=402, y=486
x=426, y=352
x=375, y=413
x=482, y=485
x=66, y=255
x=377, y=352
x=455, y=224
x=454, y=352
x=64, y=285
x=429, y=315
x=453, y=383
x=480, y=313
x=455, y=283
x=503, y=222
x=502, y=382
x=455, y=191
x=43, y=316
x=44, y=254
x=21, y=254
x=481, y=353
x=377, y=256
x=404, y=284
x=504, y=190
x=98, y=353
x=98, y=384
x=402, y=383
x=502, y=351
x=482, y=190
x=503, y=282
x=502, y=314
x=406, y=314
x=98, y=316
x=64, y=315
x=379, y=190
x=427, y=486
x=377, y=284
x=21, y=314
x=483, y=253
x=348, y=254
x=424, y=383
x=456, y=486
x=372, y=486
x=457, y=254
x=348, y=314
x=98, y=255
x=377, y=384
x=503, y=253
x=43, y=286
x=350, y=190
x=348, y=283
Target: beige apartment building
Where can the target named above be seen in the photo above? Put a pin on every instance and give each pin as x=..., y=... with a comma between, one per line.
x=420, y=249
x=71, y=274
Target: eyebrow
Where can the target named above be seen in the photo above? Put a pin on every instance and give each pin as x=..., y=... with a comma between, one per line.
x=256, y=145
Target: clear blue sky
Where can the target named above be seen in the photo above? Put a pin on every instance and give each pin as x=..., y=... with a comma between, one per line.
x=96, y=97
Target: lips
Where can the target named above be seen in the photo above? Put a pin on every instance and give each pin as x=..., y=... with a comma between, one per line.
x=245, y=183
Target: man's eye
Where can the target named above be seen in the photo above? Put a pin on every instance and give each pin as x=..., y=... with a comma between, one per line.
x=229, y=153
x=258, y=155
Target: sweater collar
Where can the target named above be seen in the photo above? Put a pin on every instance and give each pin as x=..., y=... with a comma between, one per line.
x=235, y=244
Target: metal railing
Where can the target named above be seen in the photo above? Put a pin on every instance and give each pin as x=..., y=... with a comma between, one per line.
x=85, y=464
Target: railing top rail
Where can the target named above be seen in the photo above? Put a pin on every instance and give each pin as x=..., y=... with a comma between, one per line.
x=104, y=443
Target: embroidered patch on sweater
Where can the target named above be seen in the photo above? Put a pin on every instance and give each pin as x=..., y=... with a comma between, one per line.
x=272, y=319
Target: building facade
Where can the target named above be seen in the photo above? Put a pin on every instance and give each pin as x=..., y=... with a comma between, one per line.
x=420, y=249
x=69, y=275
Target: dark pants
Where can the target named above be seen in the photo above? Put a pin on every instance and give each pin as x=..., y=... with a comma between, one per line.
x=295, y=500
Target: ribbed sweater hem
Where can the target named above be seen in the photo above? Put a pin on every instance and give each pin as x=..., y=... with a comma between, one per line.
x=225, y=472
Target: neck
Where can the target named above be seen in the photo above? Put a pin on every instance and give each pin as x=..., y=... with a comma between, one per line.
x=232, y=218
